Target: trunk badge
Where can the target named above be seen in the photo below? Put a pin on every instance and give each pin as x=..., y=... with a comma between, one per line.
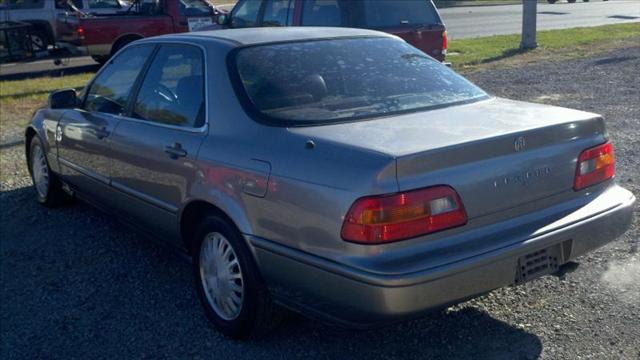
x=520, y=143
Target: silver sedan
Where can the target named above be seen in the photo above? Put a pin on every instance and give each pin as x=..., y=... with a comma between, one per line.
x=337, y=172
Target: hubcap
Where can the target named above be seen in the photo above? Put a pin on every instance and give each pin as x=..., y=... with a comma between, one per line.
x=40, y=171
x=221, y=276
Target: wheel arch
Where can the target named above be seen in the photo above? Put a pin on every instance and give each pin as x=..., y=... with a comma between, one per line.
x=45, y=26
x=123, y=40
x=29, y=133
x=195, y=211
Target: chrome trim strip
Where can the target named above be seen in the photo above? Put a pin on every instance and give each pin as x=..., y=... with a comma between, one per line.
x=84, y=171
x=144, y=197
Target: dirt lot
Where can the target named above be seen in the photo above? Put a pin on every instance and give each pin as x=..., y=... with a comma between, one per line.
x=75, y=284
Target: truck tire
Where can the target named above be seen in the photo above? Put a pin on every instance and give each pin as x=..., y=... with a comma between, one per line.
x=123, y=42
x=38, y=39
x=100, y=59
x=552, y=1
x=571, y=1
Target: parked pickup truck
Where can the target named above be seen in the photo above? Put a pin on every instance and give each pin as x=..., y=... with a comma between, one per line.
x=42, y=14
x=102, y=36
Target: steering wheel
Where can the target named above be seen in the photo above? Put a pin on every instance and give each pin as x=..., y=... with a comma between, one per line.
x=165, y=93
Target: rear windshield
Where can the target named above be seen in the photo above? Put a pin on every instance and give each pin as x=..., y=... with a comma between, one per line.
x=398, y=13
x=316, y=82
x=195, y=8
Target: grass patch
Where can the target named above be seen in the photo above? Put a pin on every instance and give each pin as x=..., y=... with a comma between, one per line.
x=18, y=99
x=558, y=44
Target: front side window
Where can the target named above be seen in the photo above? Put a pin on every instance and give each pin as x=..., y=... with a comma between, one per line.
x=172, y=92
x=110, y=91
x=306, y=83
x=245, y=14
x=195, y=8
x=25, y=4
x=325, y=13
x=276, y=13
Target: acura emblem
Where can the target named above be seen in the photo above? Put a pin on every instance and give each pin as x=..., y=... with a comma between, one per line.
x=520, y=143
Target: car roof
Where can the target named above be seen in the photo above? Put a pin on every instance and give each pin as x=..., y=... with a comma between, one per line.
x=264, y=35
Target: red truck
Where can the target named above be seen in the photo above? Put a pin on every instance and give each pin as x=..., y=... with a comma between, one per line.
x=416, y=21
x=102, y=36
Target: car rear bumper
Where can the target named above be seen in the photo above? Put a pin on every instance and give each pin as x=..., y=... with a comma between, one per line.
x=356, y=297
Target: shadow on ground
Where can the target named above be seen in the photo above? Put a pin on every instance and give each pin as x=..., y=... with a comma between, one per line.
x=76, y=283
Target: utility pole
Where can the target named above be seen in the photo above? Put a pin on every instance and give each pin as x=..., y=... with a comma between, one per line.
x=529, y=18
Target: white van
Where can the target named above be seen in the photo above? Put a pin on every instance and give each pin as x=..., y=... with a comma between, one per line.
x=42, y=15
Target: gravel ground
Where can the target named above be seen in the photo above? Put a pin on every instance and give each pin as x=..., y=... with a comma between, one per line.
x=76, y=284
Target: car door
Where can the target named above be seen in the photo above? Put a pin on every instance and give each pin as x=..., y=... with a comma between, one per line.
x=155, y=147
x=83, y=134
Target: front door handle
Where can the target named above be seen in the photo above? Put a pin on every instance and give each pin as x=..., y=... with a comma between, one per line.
x=175, y=151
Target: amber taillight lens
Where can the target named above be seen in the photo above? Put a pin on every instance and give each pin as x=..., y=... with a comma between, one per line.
x=405, y=215
x=595, y=165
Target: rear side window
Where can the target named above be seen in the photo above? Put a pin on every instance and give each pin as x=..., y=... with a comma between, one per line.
x=172, y=92
x=104, y=4
x=317, y=82
x=245, y=14
x=325, y=13
x=110, y=91
x=277, y=13
x=396, y=13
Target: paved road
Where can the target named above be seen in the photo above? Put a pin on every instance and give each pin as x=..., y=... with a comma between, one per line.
x=467, y=22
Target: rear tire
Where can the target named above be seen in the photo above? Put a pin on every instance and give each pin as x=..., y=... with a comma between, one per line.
x=38, y=39
x=234, y=296
x=46, y=183
x=100, y=59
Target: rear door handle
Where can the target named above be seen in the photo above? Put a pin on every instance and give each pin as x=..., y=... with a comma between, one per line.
x=175, y=151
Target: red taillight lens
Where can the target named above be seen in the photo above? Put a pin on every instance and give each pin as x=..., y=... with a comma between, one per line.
x=387, y=218
x=595, y=165
x=80, y=31
x=445, y=42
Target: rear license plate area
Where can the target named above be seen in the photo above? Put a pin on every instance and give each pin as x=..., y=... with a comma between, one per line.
x=538, y=263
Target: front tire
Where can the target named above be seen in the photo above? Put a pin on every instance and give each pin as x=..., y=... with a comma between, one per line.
x=48, y=187
x=231, y=291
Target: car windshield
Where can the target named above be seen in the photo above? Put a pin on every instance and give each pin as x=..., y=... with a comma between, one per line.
x=315, y=82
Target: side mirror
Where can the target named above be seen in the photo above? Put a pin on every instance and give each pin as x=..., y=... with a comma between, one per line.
x=222, y=19
x=63, y=99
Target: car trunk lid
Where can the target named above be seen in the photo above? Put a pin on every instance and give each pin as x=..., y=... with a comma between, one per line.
x=497, y=154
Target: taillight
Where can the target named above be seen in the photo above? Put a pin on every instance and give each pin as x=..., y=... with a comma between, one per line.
x=595, y=165
x=445, y=42
x=80, y=31
x=388, y=218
